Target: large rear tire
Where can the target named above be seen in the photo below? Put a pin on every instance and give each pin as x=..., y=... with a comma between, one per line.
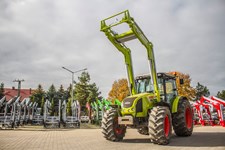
x=111, y=130
x=160, y=126
x=183, y=119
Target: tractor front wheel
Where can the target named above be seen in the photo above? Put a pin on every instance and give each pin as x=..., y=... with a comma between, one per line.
x=183, y=119
x=111, y=130
x=160, y=126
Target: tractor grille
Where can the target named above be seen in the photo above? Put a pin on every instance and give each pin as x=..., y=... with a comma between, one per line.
x=139, y=106
x=127, y=102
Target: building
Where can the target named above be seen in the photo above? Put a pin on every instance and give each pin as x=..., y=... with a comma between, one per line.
x=12, y=92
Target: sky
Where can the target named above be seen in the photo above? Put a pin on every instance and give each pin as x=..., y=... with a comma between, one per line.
x=38, y=37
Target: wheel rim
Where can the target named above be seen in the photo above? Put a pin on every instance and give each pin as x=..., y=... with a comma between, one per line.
x=166, y=126
x=118, y=131
x=117, y=128
x=188, y=118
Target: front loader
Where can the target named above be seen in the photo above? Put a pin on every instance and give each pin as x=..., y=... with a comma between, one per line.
x=154, y=106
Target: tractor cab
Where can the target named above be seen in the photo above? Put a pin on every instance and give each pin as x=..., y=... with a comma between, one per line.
x=167, y=87
x=166, y=83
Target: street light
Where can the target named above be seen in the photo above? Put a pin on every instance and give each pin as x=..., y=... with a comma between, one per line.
x=73, y=76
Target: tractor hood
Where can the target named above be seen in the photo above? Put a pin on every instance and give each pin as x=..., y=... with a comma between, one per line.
x=138, y=103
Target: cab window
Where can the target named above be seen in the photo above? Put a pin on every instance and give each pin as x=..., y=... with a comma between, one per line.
x=144, y=85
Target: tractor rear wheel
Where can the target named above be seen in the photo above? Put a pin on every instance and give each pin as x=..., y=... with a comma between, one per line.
x=111, y=130
x=160, y=126
x=183, y=119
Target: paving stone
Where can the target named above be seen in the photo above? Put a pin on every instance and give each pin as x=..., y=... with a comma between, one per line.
x=208, y=138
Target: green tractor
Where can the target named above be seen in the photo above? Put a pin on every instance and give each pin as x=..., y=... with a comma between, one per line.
x=154, y=106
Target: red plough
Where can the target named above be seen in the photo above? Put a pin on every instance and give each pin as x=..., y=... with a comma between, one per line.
x=209, y=111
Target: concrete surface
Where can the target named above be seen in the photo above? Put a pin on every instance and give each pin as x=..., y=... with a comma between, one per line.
x=37, y=138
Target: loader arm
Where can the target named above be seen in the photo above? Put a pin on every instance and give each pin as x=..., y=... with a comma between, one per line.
x=118, y=41
x=127, y=56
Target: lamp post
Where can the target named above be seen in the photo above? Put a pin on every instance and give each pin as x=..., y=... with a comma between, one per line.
x=73, y=72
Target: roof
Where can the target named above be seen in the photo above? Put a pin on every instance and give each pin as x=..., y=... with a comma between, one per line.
x=160, y=74
x=12, y=92
x=165, y=75
x=144, y=76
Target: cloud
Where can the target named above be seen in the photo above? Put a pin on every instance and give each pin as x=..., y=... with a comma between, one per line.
x=37, y=38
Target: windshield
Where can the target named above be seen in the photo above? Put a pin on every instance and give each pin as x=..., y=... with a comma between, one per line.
x=144, y=85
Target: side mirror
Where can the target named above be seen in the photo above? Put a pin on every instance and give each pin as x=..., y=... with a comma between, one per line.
x=181, y=81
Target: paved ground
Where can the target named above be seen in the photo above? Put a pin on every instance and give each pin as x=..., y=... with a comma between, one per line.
x=37, y=138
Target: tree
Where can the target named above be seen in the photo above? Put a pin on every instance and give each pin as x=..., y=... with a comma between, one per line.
x=119, y=90
x=2, y=90
x=221, y=94
x=61, y=93
x=51, y=93
x=93, y=93
x=65, y=95
x=184, y=89
x=201, y=90
x=38, y=96
x=84, y=90
x=82, y=87
x=53, y=98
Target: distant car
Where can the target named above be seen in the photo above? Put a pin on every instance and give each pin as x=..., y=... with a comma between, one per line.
x=84, y=119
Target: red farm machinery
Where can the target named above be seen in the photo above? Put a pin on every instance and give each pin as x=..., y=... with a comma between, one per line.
x=209, y=111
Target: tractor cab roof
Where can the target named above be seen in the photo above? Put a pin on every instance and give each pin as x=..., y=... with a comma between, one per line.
x=144, y=76
x=159, y=75
x=165, y=76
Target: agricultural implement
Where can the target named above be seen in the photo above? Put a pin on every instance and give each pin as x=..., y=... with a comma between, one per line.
x=34, y=113
x=99, y=107
x=11, y=115
x=106, y=105
x=52, y=121
x=2, y=110
x=71, y=121
x=24, y=117
x=154, y=106
x=15, y=113
x=96, y=113
x=2, y=104
x=209, y=111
